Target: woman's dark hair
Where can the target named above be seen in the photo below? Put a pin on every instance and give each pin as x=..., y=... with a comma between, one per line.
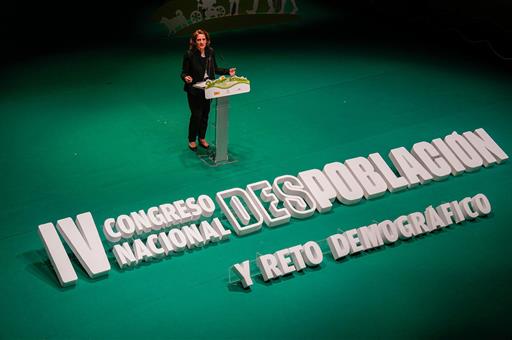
x=192, y=41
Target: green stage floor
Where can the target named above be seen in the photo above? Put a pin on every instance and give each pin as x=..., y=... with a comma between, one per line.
x=105, y=131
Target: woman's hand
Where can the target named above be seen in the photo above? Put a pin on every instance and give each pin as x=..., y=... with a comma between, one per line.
x=232, y=71
x=188, y=79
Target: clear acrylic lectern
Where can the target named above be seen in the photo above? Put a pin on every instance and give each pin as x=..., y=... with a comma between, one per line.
x=218, y=130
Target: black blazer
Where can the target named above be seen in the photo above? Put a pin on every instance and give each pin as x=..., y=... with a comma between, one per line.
x=193, y=67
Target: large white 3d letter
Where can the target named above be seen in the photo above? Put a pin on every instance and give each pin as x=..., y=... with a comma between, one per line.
x=317, y=184
x=83, y=239
x=240, y=211
x=486, y=147
x=277, y=215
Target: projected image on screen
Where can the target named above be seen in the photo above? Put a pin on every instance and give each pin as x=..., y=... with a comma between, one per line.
x=182, y=17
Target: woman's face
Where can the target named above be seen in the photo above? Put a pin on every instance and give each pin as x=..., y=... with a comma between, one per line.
x=201, y=41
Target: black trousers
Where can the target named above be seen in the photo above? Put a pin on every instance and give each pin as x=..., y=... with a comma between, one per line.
x=199, y=111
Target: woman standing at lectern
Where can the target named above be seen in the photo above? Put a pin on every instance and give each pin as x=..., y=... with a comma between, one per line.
x=199, y=64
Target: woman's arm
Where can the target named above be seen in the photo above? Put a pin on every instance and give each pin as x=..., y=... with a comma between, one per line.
x=219, y=70
x=185, y=69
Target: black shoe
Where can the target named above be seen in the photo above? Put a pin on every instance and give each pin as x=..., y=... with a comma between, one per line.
x=193, y=148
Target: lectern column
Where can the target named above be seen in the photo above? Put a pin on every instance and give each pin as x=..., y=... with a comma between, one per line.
x=221, y=130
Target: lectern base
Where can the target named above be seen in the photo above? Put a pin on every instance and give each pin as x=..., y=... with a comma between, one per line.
x=217, y=154
x=208, y=156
